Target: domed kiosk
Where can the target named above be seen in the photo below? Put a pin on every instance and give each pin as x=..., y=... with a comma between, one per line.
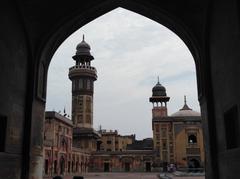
x=159, y=95
x=159, y=100
x=159, y=90
x=83, y=51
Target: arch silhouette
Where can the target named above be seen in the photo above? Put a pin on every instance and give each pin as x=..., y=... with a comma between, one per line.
x=76, y=20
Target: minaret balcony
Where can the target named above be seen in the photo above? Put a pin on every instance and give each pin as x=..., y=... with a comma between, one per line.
x=83, y=67
x=83, y=70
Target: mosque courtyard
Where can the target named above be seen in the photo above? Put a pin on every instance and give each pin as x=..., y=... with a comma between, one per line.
x=133, y=176
x=128, y=175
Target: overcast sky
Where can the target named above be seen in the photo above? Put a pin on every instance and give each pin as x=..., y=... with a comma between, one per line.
x=130, y=51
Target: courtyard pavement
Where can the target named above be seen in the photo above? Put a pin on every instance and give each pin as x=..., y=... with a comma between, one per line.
x=129, y=176
x=121, y=176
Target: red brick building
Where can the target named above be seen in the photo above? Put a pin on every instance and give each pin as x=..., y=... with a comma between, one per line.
x=122, y=161
x=60, y=157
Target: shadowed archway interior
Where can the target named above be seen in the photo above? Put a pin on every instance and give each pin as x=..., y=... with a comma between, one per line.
x=166, y=19
x=32, y=31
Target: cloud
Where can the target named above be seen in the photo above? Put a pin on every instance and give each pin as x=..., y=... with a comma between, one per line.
x=130, y=52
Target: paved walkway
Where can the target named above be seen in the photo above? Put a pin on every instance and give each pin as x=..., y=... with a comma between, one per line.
x=189, y=177
x=185, y=177
x=121, y=176
x=128, y=176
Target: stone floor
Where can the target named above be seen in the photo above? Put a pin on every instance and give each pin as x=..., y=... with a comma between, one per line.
x=188, y=177
x=129, y=176
x=121, y=176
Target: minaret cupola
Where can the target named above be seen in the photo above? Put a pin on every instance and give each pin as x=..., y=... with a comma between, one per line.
x=83, y=55
x=159, y=95
x=159, y=100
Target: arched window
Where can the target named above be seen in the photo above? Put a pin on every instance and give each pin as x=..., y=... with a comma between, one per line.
x=192, y=139
x=63, y=142
x=73, y=85
x=72, y=166
x=55, y=166
x=76, y=165
x=88, y=84
x=92, y=85
x=69, y=166
x=62, y=165
x=46, y=167
x=80, y=83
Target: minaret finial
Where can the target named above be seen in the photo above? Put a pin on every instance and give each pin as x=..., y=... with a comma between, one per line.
x=83, y=37
x=185, y=99
x=158, y=79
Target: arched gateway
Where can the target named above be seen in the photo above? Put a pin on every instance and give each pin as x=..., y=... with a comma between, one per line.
x=31, y=32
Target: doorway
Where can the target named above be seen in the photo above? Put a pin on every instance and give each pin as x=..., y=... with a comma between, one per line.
x=193, y=165
x=148, y=166
x=127, y=167
x=55, y=166
x=46, y=167
x=62, y=165
x=106, y=167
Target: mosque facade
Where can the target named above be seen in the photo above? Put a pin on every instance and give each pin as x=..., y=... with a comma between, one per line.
x=178, y=138
x=72, y=147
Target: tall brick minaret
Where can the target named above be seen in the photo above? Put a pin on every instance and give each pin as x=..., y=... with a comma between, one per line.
x=82, y=75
